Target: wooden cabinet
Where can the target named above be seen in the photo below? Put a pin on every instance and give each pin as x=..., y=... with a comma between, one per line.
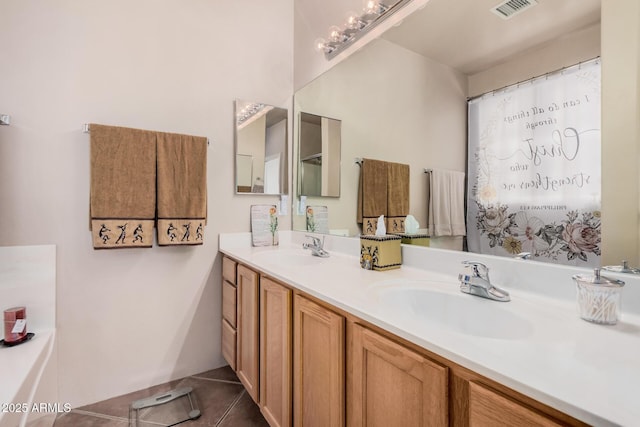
x=275, y=353
x=488, y=408
x=289, y=350
x=318, y=365
x=229, y=294
x=392, y=385
x=247, y=358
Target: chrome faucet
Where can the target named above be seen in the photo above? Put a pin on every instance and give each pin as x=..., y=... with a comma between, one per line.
x=478, y=283
x=316, y=246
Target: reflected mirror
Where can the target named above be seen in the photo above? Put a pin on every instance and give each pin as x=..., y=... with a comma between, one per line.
x=260, y=148
x=319, y=141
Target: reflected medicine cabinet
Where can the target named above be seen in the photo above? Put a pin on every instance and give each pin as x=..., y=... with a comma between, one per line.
x=319, y=145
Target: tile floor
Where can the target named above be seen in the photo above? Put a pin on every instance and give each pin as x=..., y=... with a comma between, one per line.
x=221, y=398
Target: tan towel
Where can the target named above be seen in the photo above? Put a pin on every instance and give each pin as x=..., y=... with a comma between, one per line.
x=372, y=190
x=122, y=188
x=182, y=189
x=446, y=203
x=397, y=196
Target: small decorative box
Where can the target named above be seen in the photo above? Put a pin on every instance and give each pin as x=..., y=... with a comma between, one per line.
x=380, y=252
x=415, y=239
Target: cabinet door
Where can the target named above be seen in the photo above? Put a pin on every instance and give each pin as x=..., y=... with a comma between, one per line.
x=391, y=385
x=247, y=328
x=490, y=409
x=275, y=353
x=318, y=365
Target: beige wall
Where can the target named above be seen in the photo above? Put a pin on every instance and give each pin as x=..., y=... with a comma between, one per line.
x=427, y=129
x=563, y=52
x=620, y=131
x=130, y=318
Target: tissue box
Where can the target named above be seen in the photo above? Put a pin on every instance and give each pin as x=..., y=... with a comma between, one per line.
x=380, y=252
x=414, y=239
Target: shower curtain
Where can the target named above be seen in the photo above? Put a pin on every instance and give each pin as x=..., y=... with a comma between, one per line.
x=534, y=168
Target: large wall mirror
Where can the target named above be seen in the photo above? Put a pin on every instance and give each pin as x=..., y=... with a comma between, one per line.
x=403, y=97
x=260, y=148
x=319, y=145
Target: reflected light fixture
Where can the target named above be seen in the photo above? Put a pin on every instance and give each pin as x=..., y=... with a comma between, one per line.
x=356, y=26
x=249, y=111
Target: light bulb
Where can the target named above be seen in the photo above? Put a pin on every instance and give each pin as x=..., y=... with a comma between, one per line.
x=336, y=35
x=320, y=45
x=354, y=23
x=374, y=7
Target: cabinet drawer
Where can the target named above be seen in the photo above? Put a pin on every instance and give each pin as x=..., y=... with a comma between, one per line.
x=229, y=298
x=489, y=408
x=229, y=336
x=229, y=270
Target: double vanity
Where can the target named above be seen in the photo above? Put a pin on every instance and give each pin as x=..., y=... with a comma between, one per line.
x=321, y=341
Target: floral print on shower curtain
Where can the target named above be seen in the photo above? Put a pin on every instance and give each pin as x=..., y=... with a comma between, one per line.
x=534, y=169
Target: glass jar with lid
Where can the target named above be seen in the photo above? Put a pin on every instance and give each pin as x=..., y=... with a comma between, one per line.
x=598, y=298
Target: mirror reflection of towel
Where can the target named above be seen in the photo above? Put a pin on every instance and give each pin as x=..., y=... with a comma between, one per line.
x=397, y=196
x=372, y=190
x=397, y=189
x=383, y=189
x=445, y=203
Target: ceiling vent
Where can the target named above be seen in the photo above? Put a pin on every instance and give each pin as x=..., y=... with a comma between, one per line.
x=510, y=8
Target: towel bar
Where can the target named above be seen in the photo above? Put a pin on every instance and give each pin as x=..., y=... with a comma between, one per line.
x=5, y=119
x=87, y=129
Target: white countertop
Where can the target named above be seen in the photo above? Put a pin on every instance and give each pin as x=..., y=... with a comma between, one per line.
x=535, y=344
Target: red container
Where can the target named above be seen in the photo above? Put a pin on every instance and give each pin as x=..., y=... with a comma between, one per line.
x=11, y=316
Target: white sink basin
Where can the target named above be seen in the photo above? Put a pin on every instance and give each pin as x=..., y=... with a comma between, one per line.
x=290, y=258
x=454, y=310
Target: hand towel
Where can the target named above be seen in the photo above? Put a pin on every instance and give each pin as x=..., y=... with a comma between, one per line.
x=122, y=187
x=372, y=194
x=446, y=203
x=182, y=189
x=397, y=196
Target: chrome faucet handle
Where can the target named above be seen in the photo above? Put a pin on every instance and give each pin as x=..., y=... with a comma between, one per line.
x=523, y=255
x=316, y=241
x=317, y=246
x=479, y=284
x=479, y=269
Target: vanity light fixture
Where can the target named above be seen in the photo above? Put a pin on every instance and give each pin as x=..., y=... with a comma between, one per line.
x=5, y=119
x=356, y=26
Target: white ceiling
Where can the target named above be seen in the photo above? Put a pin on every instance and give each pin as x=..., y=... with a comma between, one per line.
x=467, y=36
